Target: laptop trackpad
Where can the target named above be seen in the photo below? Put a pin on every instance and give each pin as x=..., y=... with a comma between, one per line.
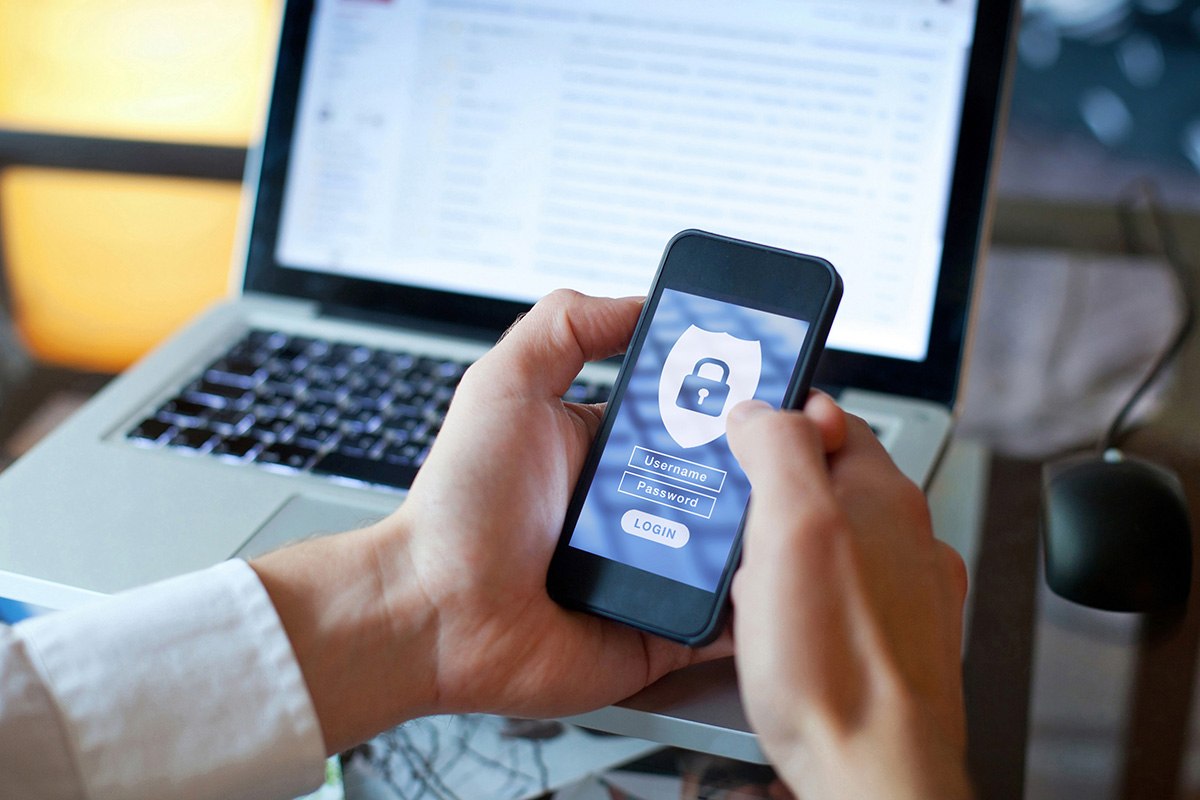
x=304, y=517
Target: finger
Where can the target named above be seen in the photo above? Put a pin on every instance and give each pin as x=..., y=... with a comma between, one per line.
x=544, y=351
x=780, y=451
x=955, y=588
x=512, y=325
x=829, y=418
x=956, y=571
x=862, y=467
x=590, y=414
x=721, y=647
x=863, y=440
x=793, y=516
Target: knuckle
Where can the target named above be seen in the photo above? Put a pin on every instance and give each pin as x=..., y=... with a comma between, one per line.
x=912, y=503
x=474, y=374
x=469, y=378
x=856, y=421
x=559, y=300
x=955, y=569
x=740, y=586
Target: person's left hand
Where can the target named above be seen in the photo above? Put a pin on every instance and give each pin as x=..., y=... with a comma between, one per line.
x=486, y=511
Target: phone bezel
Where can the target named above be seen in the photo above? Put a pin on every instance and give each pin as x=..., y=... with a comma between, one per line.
x=726, y=269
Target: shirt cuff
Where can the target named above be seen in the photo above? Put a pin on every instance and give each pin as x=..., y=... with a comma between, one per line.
x=185, y=688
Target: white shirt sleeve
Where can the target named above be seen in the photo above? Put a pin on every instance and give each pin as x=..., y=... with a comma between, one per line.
x=185, y=688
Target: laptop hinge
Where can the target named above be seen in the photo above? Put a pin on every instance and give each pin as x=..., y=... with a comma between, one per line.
x=408, y=322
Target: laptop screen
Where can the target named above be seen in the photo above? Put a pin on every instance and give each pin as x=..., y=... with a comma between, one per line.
x=495, y=151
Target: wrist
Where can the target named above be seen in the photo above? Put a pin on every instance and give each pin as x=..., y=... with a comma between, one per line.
x=360, y=627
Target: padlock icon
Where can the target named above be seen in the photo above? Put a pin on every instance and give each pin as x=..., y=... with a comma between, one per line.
x=705, y=395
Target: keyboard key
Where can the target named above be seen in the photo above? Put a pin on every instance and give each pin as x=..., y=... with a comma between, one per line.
x=325, y=394
x=326, y=413
x=366, y=470
x=290, y=388
x=274, y=430
x=317, y=436
x=184, y=410
x=371, y=395
x=235, y=446
x=359, y=445
x=394, y=438
x=228, y=421
x=191, y=438
x=396, y=414
x=217, y=395
x=349, y=354
x=387, y=362
x=150, y=430
x=294, y=349
x=401, y=452
x=423, y=433
x=450, y=371
x=233, y=378
x=320, y=374
x=265, y=340
x=286, y=455
x=242, y=365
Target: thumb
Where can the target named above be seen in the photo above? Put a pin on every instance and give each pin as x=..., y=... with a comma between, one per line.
x=542, y=353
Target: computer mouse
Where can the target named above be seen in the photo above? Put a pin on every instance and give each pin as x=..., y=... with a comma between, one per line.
x=1116, y=533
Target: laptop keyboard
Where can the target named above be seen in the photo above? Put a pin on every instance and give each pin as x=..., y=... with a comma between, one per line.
x=304, y=404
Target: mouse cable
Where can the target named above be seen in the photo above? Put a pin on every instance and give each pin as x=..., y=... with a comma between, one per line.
x=1145, y=192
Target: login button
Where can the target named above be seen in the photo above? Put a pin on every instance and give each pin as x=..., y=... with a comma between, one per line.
x=655, y=528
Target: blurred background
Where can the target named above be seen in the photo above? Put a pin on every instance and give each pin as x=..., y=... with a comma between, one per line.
x=123, y=132
x=1105, y=91
x=108, y=243
x=123, y=129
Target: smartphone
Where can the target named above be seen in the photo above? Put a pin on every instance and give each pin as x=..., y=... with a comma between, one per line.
x=652, y=534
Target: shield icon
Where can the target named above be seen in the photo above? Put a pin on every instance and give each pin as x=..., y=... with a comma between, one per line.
x=690, y=365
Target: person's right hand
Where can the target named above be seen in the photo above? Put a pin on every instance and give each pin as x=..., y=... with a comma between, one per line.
x=847, y=614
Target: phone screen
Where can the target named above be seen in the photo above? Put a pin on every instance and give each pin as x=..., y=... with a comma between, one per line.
x=667, y=495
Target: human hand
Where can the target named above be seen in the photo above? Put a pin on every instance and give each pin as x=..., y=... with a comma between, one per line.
x=442, y=606
x=847, y=613
x=486, y=511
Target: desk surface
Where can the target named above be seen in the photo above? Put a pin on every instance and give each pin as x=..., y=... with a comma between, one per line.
x=1065, y=701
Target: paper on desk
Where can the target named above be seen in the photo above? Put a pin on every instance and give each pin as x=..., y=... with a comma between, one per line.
x=22, y=597
x=476, y=755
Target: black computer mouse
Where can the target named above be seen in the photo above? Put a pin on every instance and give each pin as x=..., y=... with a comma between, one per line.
x=1116, y=533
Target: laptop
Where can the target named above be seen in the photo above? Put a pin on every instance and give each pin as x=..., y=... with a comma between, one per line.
x=427, y=170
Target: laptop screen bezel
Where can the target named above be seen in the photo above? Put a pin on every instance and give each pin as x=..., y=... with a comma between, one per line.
x=934, y=378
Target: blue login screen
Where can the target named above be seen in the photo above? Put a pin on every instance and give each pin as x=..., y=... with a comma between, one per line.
x=668, y=496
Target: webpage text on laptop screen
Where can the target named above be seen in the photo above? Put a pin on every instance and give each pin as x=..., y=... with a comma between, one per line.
x=506, y=149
